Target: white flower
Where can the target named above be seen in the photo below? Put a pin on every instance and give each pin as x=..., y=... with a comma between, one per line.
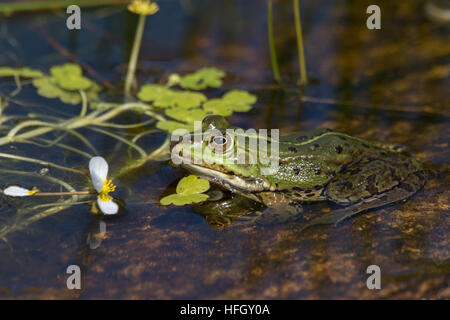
x=16, y=191
x=98, y=167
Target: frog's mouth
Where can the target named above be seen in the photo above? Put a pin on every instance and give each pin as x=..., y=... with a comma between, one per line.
x=231, y=182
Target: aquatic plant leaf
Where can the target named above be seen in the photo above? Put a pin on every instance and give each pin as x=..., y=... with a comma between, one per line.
x=21, y=72
x=219, y=107
x=240, y=97
x=61, y=71
x=171, y=126
x=164, y=97
x=187, y=99
x=181, y=200
x=186, y=115
x=192, y=184
x=189, y=190
x=154, y=92
x=74, y=83
x=69, y=77
x=203, y=78
x=233, y=101
x=47, y=88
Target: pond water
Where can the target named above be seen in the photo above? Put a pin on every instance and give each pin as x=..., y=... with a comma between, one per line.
x=388, y=85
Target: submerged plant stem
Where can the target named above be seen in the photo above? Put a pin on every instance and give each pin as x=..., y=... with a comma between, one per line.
x=72, y=193
x=43, y=163
x=134, y=54
x=273, y=54
x=301, y=54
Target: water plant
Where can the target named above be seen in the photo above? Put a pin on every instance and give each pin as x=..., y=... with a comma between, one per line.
x=159, y=107
x=189, y=190
x=299, y=41
x=176, y=104
x=301, y=53
x=143, y=8
x=273, y=53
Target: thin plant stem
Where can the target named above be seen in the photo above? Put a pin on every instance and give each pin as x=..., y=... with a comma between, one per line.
x=134, y=54
x=121, y=139
x=124, y=126
x=59, y=145
x=301, y=53
x=43, y=163
x=51, y=194
x=273, y=54
x=84, y=103
x=18, y=84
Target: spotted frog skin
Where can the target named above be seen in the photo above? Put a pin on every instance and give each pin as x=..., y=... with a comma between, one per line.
x=316, y=165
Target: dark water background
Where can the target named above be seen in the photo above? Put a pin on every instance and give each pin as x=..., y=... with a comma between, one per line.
x=388, y=85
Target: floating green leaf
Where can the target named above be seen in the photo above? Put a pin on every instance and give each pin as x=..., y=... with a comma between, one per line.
x=186, y=115
x=189, y=190
x=219, y=106
x=235, y=100
x=187, y=99
x=240, y=97
x=21, y=72
x=171, y=126
x=69, y=77
x=203, y=78
x=152, y=92
x=49, y=89
x=164, y=97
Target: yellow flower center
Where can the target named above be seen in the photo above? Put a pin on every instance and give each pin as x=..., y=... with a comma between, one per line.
x=32, y=192
x=144, y=7
x=106, y=189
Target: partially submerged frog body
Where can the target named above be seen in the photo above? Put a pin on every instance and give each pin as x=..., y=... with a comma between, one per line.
x=315, y=165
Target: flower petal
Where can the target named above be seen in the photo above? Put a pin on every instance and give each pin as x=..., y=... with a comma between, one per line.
x=16, y=191
x=98, y=167
x=108, y=207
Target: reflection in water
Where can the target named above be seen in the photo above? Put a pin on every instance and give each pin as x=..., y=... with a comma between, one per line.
x=95, y=238
x=220, y=212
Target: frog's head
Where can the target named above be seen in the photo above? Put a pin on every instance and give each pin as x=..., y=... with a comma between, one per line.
x=223, y=154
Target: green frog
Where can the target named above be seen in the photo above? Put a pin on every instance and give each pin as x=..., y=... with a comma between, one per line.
x=317, y=165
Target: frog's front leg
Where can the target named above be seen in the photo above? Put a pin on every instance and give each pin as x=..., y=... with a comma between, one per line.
x=367, y=185
x=280, y=208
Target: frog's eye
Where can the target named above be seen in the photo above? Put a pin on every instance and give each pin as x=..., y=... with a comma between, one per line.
x=221, y=144
x=218, y=141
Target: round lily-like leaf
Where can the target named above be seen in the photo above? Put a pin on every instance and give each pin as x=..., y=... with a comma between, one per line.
x=49, y=89
x=181, y=200
x=187, y=99
x=21, y=72
x=62, y=71
x=189, y=190
x=186, y=115
x=192, y=184
x=224, y=108
x=203, y=78
x=171, y=126
x=218, y=106
x=163, y=97
x=152, y=92
x=240, y=97
x=74, y=83
x=69, y=77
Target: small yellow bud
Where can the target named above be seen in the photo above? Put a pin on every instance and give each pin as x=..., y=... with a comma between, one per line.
x=143, y=7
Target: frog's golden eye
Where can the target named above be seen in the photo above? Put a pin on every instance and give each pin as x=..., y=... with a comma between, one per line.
x=221, y=144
